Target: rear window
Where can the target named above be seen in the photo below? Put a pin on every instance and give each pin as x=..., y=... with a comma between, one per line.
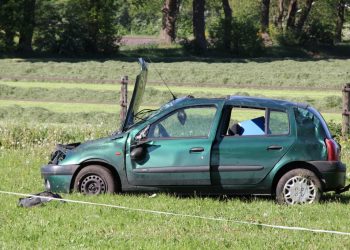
x=310, y=122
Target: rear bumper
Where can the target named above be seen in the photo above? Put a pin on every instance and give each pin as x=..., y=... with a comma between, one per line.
x=333, y=174
x=58, y=178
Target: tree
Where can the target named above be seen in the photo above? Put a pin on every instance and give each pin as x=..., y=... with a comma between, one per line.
x=303, y=15
x=265, y=12
x=170, y=11
x=340, y=20
x=292, y=10
x=199, y=24
x=227, y=23
x=279, y=21
x=27, y=26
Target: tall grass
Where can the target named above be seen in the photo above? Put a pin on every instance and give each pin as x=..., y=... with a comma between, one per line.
x=27, y=135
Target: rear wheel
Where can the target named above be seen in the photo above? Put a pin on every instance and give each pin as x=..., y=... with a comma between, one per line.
x=94, y=180
x=298, y=186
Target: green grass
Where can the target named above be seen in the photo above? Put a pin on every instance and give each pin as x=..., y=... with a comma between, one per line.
x=331, y=73
x=86, y=108
x=72, y=104
x=58, y=225
x=221, y=91
x=64, y=107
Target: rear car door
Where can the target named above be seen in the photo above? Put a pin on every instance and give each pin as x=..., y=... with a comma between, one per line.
x=178, y=148
x=255, y=140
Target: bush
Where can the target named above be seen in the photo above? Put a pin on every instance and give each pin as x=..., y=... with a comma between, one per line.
x=244, y=38
x=335, y=129
x=76, y=27
x=318, y=32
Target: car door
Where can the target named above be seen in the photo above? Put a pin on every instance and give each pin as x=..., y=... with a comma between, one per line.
x=177, y=149
x=256, y=139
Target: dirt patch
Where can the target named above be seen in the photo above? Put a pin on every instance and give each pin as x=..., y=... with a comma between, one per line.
x=132, y=40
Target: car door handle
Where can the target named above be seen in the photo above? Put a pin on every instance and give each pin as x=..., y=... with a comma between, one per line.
x=196, y=150
x=274, y=147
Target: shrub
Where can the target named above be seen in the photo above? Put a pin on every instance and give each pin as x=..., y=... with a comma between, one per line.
x=76, y=27
x=244, y=38
x=318, y=32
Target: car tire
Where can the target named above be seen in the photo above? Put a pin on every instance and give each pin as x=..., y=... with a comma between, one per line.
x=94, y=180
x=298, y=186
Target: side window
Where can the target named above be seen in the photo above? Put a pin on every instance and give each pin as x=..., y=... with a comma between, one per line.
x=246, y=121
x=278, y=123
x=189, y=122
x=252, y=121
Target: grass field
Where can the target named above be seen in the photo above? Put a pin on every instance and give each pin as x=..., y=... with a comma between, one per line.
x=58, y=225
x=331, y=73
x=45, y=101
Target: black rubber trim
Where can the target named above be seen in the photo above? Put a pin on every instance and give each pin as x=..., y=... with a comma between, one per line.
x=236, y=168
x=172, y=169
x=53, y=169
x=329, y=166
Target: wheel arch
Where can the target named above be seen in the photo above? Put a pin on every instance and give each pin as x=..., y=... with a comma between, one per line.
x=294, y=165
x=99, y=162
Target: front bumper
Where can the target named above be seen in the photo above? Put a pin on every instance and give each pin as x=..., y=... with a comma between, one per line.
x=58, y=178
x=333, y=174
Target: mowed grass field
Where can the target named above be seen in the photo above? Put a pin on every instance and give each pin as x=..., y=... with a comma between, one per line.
x=48, y=101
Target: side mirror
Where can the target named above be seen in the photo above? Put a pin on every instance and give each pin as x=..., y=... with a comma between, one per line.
x=182, y=117
x=137, y=153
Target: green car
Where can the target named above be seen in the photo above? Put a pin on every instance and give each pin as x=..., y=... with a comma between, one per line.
x=234, y=145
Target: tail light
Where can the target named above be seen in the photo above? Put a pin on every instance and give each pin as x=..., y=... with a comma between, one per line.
x=333, y=150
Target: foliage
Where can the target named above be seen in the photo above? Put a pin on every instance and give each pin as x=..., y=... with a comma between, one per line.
x=335, y=129
x=244, y=33
x=146, y=17
x=320, y=27
x=76, y=27
x=10, y=19
x=48, y=21
x=184, y=23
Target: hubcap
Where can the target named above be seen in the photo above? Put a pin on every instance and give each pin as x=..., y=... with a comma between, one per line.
x=299, y=190
x=93, y=184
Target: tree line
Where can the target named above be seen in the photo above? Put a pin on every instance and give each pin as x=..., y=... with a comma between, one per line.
x=238, y=27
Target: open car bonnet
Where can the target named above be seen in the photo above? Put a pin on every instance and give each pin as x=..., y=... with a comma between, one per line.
x=139, y=90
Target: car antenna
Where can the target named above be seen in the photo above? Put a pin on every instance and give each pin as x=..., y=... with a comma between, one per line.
x=172, y=94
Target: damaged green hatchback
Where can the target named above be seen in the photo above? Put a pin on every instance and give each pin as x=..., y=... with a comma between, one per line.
x=233, y=145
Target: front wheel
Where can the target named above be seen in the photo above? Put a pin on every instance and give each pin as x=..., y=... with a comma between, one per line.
x=298, y=186
x=94, y=180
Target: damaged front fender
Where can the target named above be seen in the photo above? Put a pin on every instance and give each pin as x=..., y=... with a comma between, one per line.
x=60, y=152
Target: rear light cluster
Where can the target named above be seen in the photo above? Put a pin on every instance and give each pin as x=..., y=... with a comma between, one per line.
x=333, y=150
